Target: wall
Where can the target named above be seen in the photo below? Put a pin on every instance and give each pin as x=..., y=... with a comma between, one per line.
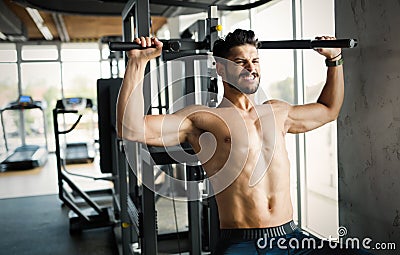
x=369, y=123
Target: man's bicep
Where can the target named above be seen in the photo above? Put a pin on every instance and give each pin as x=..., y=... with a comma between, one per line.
x=303, y=118
x=166, y=129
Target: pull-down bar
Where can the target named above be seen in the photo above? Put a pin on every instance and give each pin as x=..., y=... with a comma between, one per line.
x=168, y=45
x=308, y=44
x=181, y=45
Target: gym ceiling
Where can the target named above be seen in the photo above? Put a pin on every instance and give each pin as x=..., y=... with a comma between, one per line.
x=78, y=20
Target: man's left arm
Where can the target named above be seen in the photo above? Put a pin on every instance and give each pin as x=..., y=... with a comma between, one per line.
x=303, y=118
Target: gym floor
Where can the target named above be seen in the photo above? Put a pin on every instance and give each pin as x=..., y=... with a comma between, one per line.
x=43, y=180
x=33, y=220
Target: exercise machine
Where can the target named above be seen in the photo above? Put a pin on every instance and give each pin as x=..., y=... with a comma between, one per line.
x=86, y=212
x=82, y=151
x=25, y=156
x=138, y=217
x=179, y=45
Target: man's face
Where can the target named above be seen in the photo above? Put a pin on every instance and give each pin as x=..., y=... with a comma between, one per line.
x=243, y=69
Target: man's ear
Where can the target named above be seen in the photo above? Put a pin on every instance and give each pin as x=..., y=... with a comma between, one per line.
x=221, y=69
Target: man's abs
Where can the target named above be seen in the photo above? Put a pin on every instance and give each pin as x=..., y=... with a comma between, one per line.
x=266, y=204
x=253, y=210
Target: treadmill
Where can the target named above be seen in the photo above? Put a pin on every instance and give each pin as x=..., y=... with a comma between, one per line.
x=26, y=156
x=77, y=152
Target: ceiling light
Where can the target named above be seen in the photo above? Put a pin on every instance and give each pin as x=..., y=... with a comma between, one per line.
x=3, y=36
x=35, y=15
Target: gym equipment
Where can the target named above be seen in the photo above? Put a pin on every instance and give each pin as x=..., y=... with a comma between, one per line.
x=169, y=45
x=137, y=201
x=25, y=156
x=107, y=93
x=91, y=215
x=77, y=152
x=308, y=44
x=180, y=45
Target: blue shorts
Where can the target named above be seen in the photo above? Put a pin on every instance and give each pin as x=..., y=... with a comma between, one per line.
x=284, y=239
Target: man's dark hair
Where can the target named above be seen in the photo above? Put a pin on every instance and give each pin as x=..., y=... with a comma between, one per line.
x=236, y=38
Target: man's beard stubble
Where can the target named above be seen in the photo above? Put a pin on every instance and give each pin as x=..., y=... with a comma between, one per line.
x=247, y=91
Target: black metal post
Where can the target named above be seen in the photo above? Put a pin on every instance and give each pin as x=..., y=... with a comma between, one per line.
x=189, y=90
x=123, y=196
x=58, y=155
x=149, y=244
x=194, y=210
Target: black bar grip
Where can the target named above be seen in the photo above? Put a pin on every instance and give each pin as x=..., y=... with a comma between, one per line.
x=338, y=43
x=124, y=46
x=168, y=45
x=308, y=44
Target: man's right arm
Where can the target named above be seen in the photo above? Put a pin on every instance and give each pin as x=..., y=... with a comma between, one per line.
x=132, y=124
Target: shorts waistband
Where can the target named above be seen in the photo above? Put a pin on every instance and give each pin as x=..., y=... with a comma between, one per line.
x=256, y=233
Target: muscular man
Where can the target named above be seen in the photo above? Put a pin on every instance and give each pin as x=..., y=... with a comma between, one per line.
x=241, y=145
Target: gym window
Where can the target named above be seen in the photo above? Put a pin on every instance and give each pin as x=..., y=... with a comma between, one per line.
x=49, y=72
x=8, y=86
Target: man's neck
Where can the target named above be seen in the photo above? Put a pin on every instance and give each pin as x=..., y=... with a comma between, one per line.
x=238, y=99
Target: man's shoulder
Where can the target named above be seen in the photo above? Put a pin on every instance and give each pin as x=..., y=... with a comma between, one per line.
x=195, y=112
x=203, y=109
x=277, y=103
x=278, y=106
x=274, y=102
x=191, y=108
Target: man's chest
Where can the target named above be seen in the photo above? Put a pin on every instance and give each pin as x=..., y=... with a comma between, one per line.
x=233, y=128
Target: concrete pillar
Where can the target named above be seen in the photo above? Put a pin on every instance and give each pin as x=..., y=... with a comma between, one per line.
x=369, y=123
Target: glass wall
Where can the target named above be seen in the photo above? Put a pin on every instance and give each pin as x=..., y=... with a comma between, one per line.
x=81, y=69
x=321, y=151
x=40, y=79
x=9, y=92
x=47, y=73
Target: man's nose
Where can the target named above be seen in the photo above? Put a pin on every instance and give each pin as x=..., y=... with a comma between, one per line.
x=250, y=66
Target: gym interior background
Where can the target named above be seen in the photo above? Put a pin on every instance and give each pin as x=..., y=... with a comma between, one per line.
x=345, y=174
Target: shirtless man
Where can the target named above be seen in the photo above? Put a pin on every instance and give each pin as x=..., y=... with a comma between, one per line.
x=241, y=145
